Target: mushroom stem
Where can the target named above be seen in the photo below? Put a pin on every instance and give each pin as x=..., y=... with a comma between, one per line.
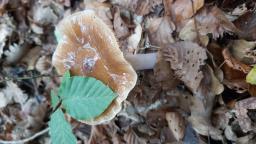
x=142, y=61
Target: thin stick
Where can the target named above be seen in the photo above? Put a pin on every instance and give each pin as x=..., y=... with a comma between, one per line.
x=26, y=139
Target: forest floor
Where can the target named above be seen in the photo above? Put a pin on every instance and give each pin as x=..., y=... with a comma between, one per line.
x=196, y=93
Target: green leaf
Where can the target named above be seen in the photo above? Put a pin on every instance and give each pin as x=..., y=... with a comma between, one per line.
x=54, y=99
x=85, y=98
x=251, y=76
x=60, y=130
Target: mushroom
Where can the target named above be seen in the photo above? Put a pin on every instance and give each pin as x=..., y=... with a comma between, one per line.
x=88, y=47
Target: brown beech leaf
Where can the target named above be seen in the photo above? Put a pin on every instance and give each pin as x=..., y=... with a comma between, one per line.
x=243, y=119
x=247, y=25
x=103, y=133
x=185, y=59
x=121, y=30
x=212, y=20
x=160, y=31
x=176, y=124
x=180, y=10
x=131, y=138
x=252, y=90
x=234, y=63
x=234, y=79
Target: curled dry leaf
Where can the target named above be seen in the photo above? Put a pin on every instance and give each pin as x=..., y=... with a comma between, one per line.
x=139, y=7
x=31, y=57
x=212, y=20
x=244, y=51
x=176, y=124
x=44, y=15
x=234, y=79
x=243, y=119
x=234, y=63
x=12, y=93
x=44, y=65
x=185, y=59
x=247, y=25
x=181, y=10
x=103, y=10
x=160, y=31
x=3, y=4
x=120, y=28
x=131, y=138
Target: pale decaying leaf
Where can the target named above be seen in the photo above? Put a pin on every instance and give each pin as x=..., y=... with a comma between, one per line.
x=234, y=63
x=44, y=15
x=12, y=93
x=32, y=113
x=121, y=30
x=131, y=138
x=185, y=59
x=7, y=28
x=244, y=51
x=181, y=10
x=211, y=20
x=160, y=31
x=243, y=119
x=201, y=105
x=189, y=32
x=31, y=57
x=176, y=124
x=134, y=39
x=44, y=65
x=14, y=53
x=139, y=7
x=102, y=10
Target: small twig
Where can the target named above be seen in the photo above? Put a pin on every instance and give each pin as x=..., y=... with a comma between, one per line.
x=26, y=139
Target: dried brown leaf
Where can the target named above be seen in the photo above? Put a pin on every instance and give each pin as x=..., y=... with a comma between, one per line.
x=160, y=31
x=181, y=10
x=176, y=124
x=234, y=63
x=212, y=20
x=185, y=59
x=247, y=25
x=131, y=138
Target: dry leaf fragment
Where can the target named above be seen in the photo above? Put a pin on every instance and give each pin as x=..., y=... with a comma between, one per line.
x=212, y=20
x=176, y=124
x=160, y=31
x=244, y=51
x=247, y=25
x=181, y=10
x=103, y=10
x=131, y=138
x=121, y=30
x=243, y=119
x=185, y=59
x=234, y=63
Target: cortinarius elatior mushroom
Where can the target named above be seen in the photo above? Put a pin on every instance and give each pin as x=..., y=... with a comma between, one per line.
x=88, y=47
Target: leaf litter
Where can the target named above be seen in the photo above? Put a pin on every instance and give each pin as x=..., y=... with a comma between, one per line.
x=196, y=93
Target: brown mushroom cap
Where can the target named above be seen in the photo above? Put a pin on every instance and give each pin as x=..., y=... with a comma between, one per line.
x=88, y=47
